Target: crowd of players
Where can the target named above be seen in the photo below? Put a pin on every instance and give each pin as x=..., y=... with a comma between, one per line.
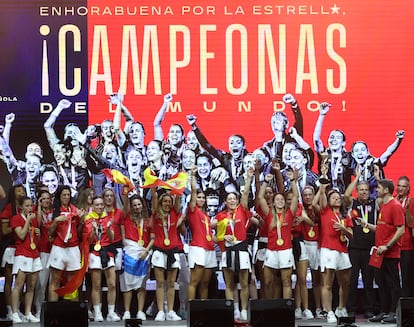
x=256, y=216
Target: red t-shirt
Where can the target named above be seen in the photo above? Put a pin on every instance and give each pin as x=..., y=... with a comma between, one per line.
x=200, y=228
x=116, y=215
x=286, y=222
x=7, y=213
x=62, y=228
x=134, y=232
x=391, y=215
x=329, y=237
x=23, y=247
x=407, y=240
x=170, y=228
x=310, y=233
x=241, y=219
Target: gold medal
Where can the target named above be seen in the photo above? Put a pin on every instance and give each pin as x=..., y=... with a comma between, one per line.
x=70, y=235
x=342, y=238
x=365, y=230
x=311, y=233
x=32, y=245
x=97, y=247
x=280, y=242
x=208, y=237
x=167, y=242
x=141, y=243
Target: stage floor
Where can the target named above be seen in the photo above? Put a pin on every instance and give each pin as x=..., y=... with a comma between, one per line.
x=360, y=322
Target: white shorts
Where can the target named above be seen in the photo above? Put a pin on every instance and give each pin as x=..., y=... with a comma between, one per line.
x=65, y=258
x=303, y=252
x=244, y=257
x=279, y=259
x=27, y=265
x=159, y=260
x=118, y=259
x=8, y=257
x=332, y=259
x=313, y=252
x=96, y=263
x=201, y=257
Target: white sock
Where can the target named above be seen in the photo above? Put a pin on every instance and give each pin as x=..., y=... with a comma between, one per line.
x=111, y=308
x=97, y=308
x=236, y=306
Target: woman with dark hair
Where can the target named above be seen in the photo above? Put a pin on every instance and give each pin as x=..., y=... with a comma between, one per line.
x=279, y=253
x=10, y=209
x=65, y=253
x=166, y=219
x=44, y=212
x=335, y=228
x=26, y=265
x=232, y=226
x=138, y=240
x=201, y=254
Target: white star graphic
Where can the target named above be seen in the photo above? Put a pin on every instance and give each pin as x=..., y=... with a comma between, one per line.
x=335, y=9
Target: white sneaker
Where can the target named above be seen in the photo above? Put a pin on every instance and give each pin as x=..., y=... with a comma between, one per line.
x=9, y=316
x=331, y=318
x=172, y=316
x=298, y=313
x=127, y=315
x=31, y=318
x=141, y=315
x=341, y=312
x=98, y=317
x=90, y=315
x=160, y=316
x=112, y=317
x=16, y=319
x=243, y=315
x=236, y=314
x=307, y=314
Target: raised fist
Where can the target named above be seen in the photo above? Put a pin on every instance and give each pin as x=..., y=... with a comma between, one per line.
x=10, y=118
x=324, y=108
x=168, y=97
x=289, y=98
x=400, y=134
x=191, y=119
x=64, y=103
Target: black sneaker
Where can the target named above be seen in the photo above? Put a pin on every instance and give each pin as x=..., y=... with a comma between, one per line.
x=368, y=314
x=378, y=317
x=390, y=319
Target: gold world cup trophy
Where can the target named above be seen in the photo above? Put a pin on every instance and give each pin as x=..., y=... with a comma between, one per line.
x=324, y=168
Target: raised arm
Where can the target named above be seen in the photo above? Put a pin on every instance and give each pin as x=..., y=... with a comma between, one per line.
x=295, y=192
x=158, y=133
x=260, y=197
x=351, y=187
x=244, y=200
x=392, y=148
x=50, y=122
x=289, y=98
x=193, y=198
x=8, y=122
x=317, y=142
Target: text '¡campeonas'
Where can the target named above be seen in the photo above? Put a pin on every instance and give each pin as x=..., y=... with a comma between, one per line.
x=269, y=53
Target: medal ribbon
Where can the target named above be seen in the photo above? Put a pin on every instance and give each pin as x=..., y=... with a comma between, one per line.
x=279, y=221
x=166, y=226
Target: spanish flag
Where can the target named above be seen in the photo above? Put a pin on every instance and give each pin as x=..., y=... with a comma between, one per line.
x=117, y=177
x=221, y=229
x=176, y=183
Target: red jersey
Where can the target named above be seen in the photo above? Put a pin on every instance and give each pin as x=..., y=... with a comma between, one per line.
x=329, y=237
x=280, y=236
x=66, y=234
x=45, y=242
x=101, y=231
x=264, y=229
x=407, y=240
x=24, y=247
x=167, y=230
x=7, y=213
x=116, y=215
x=235, y=224
x=200, y=228
x=391, y=215
x=137, y=231
x=310, y=233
